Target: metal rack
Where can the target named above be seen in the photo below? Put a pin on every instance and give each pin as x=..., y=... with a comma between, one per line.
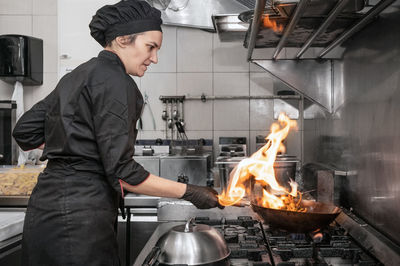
x=356, y=23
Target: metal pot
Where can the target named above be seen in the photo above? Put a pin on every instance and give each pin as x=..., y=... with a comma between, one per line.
x=192, y=244
x=285, y=169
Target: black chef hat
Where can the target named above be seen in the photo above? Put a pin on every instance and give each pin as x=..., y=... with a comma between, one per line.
x=124, y=18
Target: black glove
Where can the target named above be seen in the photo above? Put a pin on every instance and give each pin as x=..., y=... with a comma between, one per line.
x=202, y=197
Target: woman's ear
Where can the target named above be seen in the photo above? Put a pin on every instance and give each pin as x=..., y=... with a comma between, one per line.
x=120, y=41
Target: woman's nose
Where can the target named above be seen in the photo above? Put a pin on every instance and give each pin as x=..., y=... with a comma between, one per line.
x=154, y=58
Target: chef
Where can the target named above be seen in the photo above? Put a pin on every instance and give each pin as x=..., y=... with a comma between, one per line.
x=87, y=129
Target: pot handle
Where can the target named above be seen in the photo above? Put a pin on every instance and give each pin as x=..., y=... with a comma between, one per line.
x=188, y=223
x=151, y=259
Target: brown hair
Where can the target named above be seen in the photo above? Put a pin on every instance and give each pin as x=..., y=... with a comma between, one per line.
x=127, y=39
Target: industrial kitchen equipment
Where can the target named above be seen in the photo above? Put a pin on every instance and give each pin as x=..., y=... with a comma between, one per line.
x=251, y=243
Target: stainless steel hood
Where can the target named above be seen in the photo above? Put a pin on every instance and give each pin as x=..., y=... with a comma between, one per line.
x=303, y=26
x=195, y=13
x=316, y=78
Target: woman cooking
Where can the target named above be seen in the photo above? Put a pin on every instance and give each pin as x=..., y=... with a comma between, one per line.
x=87, y=128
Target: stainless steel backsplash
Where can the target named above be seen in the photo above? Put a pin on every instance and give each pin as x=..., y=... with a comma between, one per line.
x=363, y=134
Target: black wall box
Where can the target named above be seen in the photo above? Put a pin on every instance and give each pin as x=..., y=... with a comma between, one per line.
x=21, y=59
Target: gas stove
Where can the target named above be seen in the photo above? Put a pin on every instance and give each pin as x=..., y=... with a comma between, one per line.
x=252, y=243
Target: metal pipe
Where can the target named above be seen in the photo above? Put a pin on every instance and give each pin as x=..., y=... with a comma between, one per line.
x=289, y=28
x=364, y=20
x=301, y=120
x=331, y=17
x=128, y=237
x=255, y=26
x=266, y=97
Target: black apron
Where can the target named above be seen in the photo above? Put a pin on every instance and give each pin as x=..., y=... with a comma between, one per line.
x=71, y=219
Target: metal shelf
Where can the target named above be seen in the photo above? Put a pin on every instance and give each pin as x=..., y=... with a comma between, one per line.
x=304, y=29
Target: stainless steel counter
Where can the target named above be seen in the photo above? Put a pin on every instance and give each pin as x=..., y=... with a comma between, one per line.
x=180, y=210
x=11, y=223
x=136, y=200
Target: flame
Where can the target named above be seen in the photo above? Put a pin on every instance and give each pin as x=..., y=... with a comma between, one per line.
x=259, y=169
x=272, y=24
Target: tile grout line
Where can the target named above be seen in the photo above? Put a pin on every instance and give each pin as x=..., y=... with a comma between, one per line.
x=213, y=92
x=249, y=143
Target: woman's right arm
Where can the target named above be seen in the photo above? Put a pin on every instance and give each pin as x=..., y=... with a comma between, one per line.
x=157, y=186
x=29, y=130
x=201, y=197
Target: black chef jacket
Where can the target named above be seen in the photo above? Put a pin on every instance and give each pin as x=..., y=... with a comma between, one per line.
x=88, y=125
x=90, y=117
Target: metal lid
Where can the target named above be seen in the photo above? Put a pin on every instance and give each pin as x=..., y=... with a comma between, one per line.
x=192, y=244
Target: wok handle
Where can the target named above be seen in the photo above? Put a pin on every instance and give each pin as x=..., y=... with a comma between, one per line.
x=266, y=242
x=242, y=203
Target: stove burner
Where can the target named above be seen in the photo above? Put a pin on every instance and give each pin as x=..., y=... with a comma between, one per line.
x=252, y=245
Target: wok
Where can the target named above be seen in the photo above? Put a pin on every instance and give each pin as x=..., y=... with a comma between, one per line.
x=318, y=215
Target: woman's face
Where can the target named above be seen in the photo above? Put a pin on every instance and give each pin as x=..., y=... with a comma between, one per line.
x=138, y=55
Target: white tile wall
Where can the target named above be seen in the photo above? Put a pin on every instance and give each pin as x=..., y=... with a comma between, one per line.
x=231, y=84
x=16, y=24
x=33, y=94
x=194, y=50
x=75, y=40
x=195, y=84
x=231, y=115
x=50, y=81
x=16, y=7
x=44, y=7
x=45, y=27
x=198, y=115
x=229, y=57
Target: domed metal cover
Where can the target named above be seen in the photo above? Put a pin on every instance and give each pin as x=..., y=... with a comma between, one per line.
x=198, y=244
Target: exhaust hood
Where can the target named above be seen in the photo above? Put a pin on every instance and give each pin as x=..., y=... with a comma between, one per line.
x=304, y=25
x=196, y=13
x=317, y=80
